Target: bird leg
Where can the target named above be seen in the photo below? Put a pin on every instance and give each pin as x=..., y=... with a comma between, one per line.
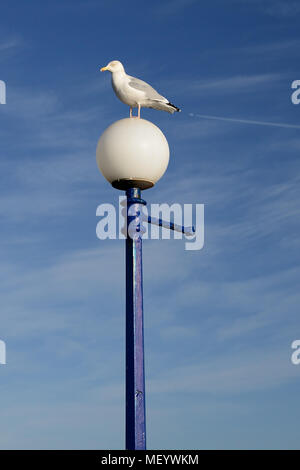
x=139, y=112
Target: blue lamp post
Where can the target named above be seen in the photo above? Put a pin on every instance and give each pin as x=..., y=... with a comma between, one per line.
x=133, y=155
x=135, y=375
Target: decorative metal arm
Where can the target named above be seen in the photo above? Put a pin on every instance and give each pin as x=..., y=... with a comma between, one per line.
x=189, y=231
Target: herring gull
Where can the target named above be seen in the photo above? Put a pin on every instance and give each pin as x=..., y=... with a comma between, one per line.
x=135, y=92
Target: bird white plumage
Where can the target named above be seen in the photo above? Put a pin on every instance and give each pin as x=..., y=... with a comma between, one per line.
x=135, y=92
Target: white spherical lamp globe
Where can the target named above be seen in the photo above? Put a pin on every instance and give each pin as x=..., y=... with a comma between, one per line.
x=132, y=152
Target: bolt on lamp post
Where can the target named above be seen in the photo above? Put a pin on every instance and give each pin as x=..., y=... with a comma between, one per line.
x=133, y=154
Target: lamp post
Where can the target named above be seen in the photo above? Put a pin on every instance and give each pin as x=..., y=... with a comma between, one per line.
x=133, y=154
x=135, y=375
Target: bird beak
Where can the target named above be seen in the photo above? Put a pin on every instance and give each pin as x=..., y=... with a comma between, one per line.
x=103, y=69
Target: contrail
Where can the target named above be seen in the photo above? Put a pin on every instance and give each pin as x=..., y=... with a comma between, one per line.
x=246, y=121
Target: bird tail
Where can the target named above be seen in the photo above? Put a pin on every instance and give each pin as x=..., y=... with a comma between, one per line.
x=174, y=108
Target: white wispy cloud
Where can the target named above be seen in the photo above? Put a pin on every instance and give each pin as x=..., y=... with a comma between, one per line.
x=255, y=370
x=10, y=46
x=281, y=8
x=235, y=83
x=10, y=43
x=278, y=8
x=221, y=86
x=274, y=48
x=71, y=418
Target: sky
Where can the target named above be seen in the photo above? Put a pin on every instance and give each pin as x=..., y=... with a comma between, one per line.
x=219, y=322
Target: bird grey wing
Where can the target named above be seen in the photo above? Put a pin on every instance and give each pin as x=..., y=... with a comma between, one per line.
x=140, y=85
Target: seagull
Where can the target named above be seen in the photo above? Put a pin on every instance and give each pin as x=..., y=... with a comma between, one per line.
x=134, y=92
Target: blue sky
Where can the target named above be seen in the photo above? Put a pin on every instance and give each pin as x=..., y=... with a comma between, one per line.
x=219, y=323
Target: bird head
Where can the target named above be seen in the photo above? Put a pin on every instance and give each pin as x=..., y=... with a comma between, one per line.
x=113, y=66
